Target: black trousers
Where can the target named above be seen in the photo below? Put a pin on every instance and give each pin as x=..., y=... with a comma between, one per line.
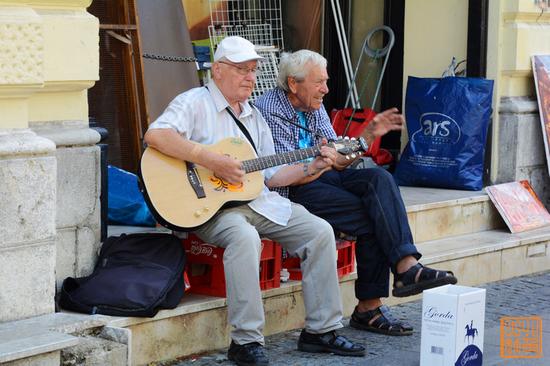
x=365, y=203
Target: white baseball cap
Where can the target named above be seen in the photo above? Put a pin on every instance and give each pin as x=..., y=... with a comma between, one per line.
x=236, y=49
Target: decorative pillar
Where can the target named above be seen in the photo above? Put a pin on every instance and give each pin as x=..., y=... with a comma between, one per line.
x=518, y=29
x=49, y=164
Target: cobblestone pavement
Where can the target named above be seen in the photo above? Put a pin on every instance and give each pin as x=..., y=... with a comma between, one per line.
x=522, y=296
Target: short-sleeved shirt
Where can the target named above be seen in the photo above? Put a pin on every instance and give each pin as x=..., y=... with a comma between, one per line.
x=200, y=115
x=285, y=135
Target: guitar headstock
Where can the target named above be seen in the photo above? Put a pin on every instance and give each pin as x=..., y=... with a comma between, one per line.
x=350, y=147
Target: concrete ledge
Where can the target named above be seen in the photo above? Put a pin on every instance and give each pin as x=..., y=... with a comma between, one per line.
x=199, y=323
x=518, y=105
x=436, y=251
x=435, y=213
x=43, y=359
x=479, y=243
x=95, y=351
x=194, y=303
x=43, y=334
x=421, y=199
x=20, y=346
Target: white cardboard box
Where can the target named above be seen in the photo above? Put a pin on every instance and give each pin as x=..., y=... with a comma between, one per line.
x=452, y=326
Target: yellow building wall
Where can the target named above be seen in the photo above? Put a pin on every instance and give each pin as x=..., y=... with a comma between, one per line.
x=517, y=29
x=49, y=58
x=525, y=32
x=435, y=31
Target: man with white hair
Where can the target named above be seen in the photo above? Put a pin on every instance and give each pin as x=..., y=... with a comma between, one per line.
x=365, y=203
x=209, y=114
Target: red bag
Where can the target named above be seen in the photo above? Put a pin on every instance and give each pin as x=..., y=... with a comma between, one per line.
x=352, y=122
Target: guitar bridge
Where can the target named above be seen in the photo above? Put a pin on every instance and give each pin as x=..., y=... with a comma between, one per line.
x=194, y=180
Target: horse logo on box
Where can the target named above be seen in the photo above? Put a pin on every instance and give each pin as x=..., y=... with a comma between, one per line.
x=471, y=355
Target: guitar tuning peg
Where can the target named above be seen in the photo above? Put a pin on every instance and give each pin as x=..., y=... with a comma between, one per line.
x=353, y=156
x=353, y=139
x=347, y=157
x=340, y=137
x=346, y=138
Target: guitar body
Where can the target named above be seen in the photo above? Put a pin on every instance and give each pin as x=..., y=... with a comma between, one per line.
x=173, y=200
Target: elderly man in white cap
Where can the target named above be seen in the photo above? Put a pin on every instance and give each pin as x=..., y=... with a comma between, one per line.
x=209, y=114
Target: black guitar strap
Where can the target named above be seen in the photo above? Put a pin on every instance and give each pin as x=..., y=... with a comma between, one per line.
x=241, y=126
x=243, y=129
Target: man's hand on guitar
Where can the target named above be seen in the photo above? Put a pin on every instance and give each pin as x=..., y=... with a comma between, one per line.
x=227, y=168
x=326, y=159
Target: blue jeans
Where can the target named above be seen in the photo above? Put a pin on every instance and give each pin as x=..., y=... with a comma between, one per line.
x=365, y=203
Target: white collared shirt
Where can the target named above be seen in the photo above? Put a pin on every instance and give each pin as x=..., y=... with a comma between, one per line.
x=199, y=115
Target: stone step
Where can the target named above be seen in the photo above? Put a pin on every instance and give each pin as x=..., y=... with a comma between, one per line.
x=43, y=348
x=488, y=256
x=438, y=213
x=456, y=230
x=433, y=213
x=475, y=258
x=95, y=351
x=199, y=323
x=40, y=340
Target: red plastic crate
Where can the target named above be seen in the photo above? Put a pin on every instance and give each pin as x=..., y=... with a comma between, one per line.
x=345, y=263
x=205, y=266
x=292, y=264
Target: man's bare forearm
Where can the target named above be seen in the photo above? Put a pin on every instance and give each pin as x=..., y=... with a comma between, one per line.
x=171, y=143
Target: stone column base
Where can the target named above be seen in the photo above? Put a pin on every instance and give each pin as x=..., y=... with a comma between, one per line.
x=521, y=152
x=78, y=195
x=27, y=218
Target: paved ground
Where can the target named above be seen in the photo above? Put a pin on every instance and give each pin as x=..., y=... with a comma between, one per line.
x=522, y=296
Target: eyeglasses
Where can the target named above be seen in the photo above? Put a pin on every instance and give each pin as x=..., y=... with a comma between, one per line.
x=243, y=70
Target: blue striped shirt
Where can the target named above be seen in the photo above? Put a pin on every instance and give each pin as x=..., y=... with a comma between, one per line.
x=285, y=135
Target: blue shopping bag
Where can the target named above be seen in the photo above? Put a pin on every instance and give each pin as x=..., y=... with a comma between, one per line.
x=447, y=122
x=126, y=203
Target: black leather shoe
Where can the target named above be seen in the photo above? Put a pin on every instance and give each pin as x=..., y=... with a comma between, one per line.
x=329, y=342
x=250, y=354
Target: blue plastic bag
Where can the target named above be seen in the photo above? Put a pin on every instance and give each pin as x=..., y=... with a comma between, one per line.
x=447, y=122
x=126, y=203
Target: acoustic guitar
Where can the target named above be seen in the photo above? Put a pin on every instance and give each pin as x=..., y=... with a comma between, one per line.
x=182, y=195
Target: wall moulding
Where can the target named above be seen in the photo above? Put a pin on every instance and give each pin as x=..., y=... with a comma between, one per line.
x=534, y=17
x=66, y=85
x=48, y=3
x=23, y=142
x=16, y=91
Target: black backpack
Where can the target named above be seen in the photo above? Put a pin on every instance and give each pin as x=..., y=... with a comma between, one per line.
x=135, y=275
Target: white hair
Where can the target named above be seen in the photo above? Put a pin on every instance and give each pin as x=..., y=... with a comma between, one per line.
x=294, y=65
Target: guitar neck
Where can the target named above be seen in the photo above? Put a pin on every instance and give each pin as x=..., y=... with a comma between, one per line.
x=253, y=165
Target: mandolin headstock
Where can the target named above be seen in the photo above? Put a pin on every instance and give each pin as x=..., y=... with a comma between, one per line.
x=350, y=147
